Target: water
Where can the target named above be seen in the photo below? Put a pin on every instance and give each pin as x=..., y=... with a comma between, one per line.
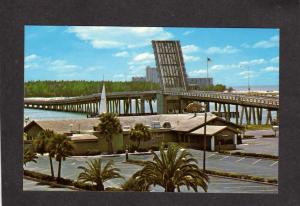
x=257, y=88
x=38, y=114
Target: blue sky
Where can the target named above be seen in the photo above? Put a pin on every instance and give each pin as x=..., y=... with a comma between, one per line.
x=118, y=53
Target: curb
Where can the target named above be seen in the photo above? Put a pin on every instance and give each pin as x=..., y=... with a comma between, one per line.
x=51, y=183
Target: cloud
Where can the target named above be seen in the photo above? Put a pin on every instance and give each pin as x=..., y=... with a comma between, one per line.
x=245, y=74
x=103, y=37
x=275, y=60
x=271, y=42
x=222, y=50
x=253, y=62
x=121, y=54
x=144, y=57
x=245, y=45
x=190, y=58
x=187, y=33
x=197, y=72
x=189, y=48
x=271, y=69
x=31, y=57
x=61, y=66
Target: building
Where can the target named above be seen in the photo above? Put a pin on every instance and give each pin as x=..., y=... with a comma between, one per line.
x=138, y=79
x=199, y=83
x=184, y=129
x=151, y=74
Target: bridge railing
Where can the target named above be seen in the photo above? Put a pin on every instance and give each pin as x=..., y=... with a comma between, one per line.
x=236, y=98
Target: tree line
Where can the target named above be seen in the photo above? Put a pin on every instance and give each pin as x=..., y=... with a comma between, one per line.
x=81, y=88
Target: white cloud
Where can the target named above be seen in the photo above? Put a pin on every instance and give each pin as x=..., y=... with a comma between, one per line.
x=187, y=33
x=252, y=62
x=102, y=37
x=222, y=50
x=31, y=57
x=144, y=57
x=274, y=60
x=121, y=54
x=197, y=72
x=190, y=58
x=245, y=74
x=219, y=67
x=271, y=69
x=189, y=48
x=271, y=42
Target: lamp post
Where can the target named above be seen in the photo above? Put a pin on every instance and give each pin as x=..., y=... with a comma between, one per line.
x=207, y=81
x=248, y=75
x=204, y=135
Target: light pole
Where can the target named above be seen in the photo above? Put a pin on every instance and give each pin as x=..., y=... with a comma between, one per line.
x=248, y=75
x=197, y=107
x=207, y=83
x=204, y=135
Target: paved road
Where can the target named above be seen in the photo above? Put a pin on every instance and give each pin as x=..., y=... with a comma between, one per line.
x=260, y=145
x=216, y=185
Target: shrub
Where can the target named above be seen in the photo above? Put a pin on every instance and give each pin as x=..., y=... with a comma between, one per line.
x=84, y=186
x=154, y=148
x=120, y=151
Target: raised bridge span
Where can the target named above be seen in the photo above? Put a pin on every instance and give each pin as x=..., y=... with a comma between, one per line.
x=134, y=103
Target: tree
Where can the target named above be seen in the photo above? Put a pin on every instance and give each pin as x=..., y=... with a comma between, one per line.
x=135, y=185
x=109, y=125
x=29, y=156
x=96, y=174
x=41, y=144
x=139, y=133
x=173, y=169
x=60, y=147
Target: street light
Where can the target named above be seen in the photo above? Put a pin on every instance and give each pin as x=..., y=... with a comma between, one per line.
x=248, y=72
x=207, y=61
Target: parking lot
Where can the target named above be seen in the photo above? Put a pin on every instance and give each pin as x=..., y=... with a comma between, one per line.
x=214, y=161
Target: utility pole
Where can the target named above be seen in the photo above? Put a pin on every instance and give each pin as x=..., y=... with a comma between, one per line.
x=248, y=79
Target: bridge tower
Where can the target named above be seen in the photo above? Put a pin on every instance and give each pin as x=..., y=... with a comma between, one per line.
x=171, y=72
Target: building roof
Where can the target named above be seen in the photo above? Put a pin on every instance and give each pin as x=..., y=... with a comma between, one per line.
x=179, y=122
x=63, y=126
x=211, y=130
x=83, y=137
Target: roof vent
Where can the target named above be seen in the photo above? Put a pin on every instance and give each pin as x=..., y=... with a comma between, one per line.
x=155, y=124
x=166, y=125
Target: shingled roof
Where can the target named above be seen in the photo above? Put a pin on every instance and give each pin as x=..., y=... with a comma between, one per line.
x=179, y=122
x=211, y=130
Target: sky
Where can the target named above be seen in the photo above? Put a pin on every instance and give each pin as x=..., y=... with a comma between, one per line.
x=119, y=53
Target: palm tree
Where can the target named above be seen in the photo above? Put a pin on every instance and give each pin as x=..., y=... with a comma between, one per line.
x=60, y=147
x=173, y=169
x=41, y=143
x=29, y=156
x=135, y=185
x=139, y=133
x=95, y=174
x=109, y=125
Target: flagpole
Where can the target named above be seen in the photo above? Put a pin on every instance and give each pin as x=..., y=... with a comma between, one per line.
x=207, y=73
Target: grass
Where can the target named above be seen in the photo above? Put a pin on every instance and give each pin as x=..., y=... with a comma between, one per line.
x=248, y=154
x=258, y=127
x=50, y=180
x=242, y=176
